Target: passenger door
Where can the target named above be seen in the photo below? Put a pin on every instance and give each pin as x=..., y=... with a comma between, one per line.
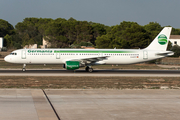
x=23, y=54
x=145, y=55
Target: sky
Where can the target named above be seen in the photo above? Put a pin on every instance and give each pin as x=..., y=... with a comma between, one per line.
x=108, y=12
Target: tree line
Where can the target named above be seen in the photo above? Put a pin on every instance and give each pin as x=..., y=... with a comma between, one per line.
x=62, y=33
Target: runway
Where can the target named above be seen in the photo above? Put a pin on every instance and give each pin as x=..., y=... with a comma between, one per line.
x=101, y=73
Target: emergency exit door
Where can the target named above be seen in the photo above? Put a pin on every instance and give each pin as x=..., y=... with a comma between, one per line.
x=57, y=55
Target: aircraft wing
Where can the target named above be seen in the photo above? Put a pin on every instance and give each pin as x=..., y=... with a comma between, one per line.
x=89, y=60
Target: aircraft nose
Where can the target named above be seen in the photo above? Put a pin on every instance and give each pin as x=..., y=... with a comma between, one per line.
x=7, y=59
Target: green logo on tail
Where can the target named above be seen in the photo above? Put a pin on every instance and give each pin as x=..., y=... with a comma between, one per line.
x=162, y=39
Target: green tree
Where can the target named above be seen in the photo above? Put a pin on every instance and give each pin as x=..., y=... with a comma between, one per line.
x=97, y=30
x=32, y=30
x=153, y=26
x=126, y=35
x=176, y=50
x=73, y=32
x=175, y=31
x=72, y=19
x=103, y=42
x=152, y=29
x=5, y=28
x=169, y=47
x=9, y=41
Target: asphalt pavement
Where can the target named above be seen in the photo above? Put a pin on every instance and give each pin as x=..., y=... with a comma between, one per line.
x=103, y=73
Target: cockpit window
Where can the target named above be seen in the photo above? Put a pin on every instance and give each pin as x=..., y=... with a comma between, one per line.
x=13, y=53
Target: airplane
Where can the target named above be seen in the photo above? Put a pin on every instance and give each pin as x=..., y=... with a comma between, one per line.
x=73, y=59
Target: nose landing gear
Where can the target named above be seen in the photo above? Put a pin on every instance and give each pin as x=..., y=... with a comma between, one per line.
x=24, y=68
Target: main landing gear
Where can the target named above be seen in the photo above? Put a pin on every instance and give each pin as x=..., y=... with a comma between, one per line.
x=24, y=68
x=89, y=69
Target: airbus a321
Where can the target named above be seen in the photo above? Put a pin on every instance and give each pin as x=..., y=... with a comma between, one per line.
x=72, y=59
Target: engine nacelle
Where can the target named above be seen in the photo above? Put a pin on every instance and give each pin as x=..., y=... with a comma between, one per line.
x=72, y=65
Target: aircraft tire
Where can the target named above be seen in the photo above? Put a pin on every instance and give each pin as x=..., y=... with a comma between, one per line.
x=90, y=70
x=23, y=69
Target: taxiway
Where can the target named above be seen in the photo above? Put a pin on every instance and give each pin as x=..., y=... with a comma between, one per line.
x=80, y=104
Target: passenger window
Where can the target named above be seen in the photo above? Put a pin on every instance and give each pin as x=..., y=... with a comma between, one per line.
x=175, y=42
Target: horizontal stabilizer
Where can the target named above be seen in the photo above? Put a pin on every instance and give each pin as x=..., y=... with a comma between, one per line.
x=168, y=53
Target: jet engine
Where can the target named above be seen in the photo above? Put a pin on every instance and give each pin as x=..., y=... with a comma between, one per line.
x=72, y=65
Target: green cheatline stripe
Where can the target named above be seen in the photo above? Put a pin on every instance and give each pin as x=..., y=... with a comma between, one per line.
x=62, y=51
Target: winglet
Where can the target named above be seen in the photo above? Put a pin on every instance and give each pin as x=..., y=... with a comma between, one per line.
x=161, y=40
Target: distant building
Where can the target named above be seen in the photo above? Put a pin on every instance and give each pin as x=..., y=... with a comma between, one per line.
x=46, y=44
x=34, y=46
x=1, y=43
x=175, y=39
x=87, y=47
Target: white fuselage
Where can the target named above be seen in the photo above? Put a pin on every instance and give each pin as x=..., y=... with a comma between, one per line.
x=60, y=56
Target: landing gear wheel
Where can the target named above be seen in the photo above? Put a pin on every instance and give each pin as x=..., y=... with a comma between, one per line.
x=24, y=69
x=90, y=70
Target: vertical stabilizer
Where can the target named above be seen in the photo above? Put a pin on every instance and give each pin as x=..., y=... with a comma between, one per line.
x=161, y=40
